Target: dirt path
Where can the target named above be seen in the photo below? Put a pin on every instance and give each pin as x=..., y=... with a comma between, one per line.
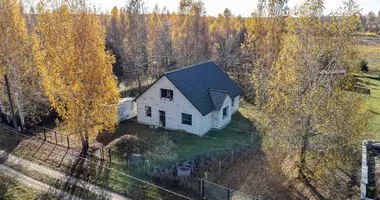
x=13, y=160
x=35, y=184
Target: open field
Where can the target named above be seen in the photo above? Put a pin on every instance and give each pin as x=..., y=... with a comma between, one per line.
x=372, y=54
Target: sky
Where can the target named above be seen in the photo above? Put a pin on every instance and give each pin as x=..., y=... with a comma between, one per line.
x=238, y=7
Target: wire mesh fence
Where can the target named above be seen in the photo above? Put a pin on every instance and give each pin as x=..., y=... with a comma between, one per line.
x=90, y=168
x=116, y=170
x=212, y=191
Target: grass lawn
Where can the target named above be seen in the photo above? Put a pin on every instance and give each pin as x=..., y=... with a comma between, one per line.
x=372, y=82
x=186, y=146
x=371, y=52
x=11, y=189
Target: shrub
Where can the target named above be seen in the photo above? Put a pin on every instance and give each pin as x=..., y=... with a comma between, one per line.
x=364, y=65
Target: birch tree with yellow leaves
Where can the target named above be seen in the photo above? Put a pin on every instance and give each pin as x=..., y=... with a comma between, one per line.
x=312, y=114
x=17, y=62
x=76, y=69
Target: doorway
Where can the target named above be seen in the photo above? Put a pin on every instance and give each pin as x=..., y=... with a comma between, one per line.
x=162, y=118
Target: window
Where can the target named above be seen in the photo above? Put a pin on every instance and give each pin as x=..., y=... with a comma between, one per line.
x=225, y=112
x=186, y=119
x=148, y=111
x=168, y=94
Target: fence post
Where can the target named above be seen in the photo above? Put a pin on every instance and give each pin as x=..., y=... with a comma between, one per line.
x=44, y=134
x=109, y=155
x=220, y=167
x=68, y=142
x=232, y=155
x=201, y=188
x=228, y=194
x=127, y=162
x=56, y=141
x=102, y=154
x=146, y=173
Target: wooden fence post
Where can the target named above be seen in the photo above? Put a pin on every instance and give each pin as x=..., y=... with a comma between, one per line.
x=201, y=188
x=56, y=141
x=68, y=142
x=232, y=155
x=109, y=155
x=146, y=173
x=220, y=167
x=102, y=154
x=228, y=194
x=126, y=157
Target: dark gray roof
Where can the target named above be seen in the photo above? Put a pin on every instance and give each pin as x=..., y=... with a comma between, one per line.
x=195, y=82
x=217, y=97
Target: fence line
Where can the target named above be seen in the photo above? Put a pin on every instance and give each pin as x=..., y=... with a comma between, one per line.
x=222, y=156
x=213, y=191
x=145, y=183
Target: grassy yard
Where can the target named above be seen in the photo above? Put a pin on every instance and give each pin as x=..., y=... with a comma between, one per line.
x=11, y=189
x=184, y=146
x=371, y=52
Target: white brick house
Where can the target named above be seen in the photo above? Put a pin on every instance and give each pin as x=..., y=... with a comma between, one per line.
x=195, y=99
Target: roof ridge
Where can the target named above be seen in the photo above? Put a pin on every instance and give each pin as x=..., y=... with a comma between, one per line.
x=215, y=90
x=191, y=66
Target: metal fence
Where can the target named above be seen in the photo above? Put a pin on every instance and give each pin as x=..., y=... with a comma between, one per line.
x=212, y=191
x=92, y=169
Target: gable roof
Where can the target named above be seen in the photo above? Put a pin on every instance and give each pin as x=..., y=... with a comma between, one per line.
x=196, y=82
x=217, y=97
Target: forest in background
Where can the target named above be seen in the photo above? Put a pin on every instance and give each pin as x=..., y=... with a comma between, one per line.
x=288, y=62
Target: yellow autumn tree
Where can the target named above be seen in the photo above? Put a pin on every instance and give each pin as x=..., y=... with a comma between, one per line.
x=311, y=114
x=16, y=62
x=76, y=69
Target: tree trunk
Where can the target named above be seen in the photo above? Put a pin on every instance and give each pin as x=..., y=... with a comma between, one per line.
x=84, y=147
x=139, y=81
x=20, y=109
x=305, y=144
x=302, y=165
x=10, y=102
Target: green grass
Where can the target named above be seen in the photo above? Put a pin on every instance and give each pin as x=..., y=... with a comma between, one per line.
x=372, y=54
x=371, y=81
x=188, y=146
x=11, y=189
x=57, y=183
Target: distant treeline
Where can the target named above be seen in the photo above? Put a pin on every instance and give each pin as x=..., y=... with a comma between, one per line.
x=370, y=23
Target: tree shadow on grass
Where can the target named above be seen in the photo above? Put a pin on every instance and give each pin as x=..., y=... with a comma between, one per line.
x=8, y=143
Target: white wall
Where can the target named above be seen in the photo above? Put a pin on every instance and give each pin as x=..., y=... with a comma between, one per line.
x=218, y=121
x=152, y=97
x=236, y=104
x=127, y=109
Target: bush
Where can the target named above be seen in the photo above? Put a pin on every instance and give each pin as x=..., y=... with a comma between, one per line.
x=364, y=65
